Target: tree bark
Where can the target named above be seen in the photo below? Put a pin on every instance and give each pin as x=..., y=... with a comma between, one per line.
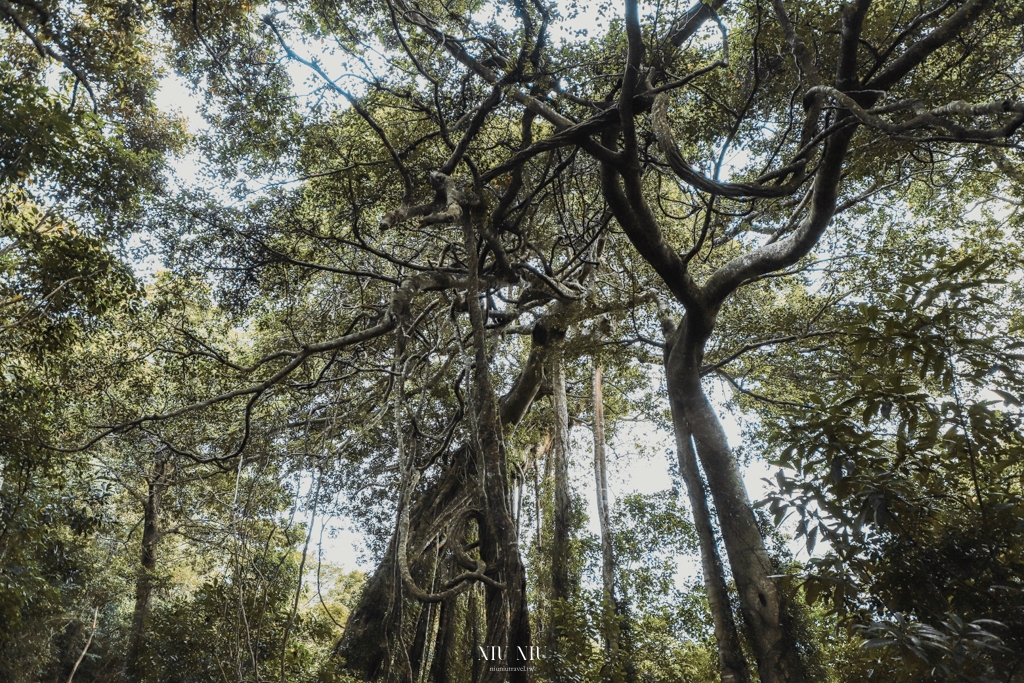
x=145, y=582
x=364, y=643
x=508, y=624
x=473, y=629
x=559, y=552
x=731, y=662
x=777, y=658
x=561, y=588
x=445, y=640
x=611, y=634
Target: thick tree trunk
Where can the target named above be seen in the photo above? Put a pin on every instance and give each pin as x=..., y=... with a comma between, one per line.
x=777, y=659
x=611, y=634
x=508, y=625
x=145, y=582
x=364, y=644
x=731, y=662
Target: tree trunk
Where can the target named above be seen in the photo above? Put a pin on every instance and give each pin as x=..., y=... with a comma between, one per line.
x=423, y=643
x=559, y=553
x=144, y=584
x=473, y=630
x=538, y=454
x=777, y=659
x=445, y=640
x=611, y=634
x=561, y=588
x=508, y=625
x=364, y=643
x=731, y=662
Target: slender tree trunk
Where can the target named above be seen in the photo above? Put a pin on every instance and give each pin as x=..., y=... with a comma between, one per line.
x=439, y=666
x=611, y=635
x=88, y=642
x=419, y=652
x=731, y=662
x=473, y=630
x=144, y=584
x=426, y=636
x=559, y=553
x=538, y=454
x=298, y=586
x=777, y=659
x=561, y=588
x=538, y=519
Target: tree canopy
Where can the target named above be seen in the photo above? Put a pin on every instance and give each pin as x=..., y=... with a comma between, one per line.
x=432, y=266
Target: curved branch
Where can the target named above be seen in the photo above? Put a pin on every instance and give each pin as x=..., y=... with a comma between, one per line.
x=475, y=125
x=398, y=308
x=714, y=367
x=446, y=208
x=785, y=252
x=691, y=20
x=683, y=169
x=923, y=48
x=453, y=587
x=932, y=117
x=46, y=50
x=396, y=158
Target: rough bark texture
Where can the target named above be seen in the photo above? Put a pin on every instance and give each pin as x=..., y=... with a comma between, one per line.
x=559, y=550
x=419, y=651
x=508, y=624
x=364, y=644
x=145, y=582
x=561, y=588
x=439, y=666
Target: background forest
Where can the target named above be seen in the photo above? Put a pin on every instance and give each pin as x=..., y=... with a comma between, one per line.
x=450, y=269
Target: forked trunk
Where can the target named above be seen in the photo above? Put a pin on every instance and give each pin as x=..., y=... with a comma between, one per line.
x=761, y=604
x=731, y=663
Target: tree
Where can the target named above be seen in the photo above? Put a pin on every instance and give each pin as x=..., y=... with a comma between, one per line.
x=462, y=179
x=876, y=53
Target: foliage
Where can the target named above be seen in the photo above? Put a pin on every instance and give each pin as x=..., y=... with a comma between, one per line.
x=405, y=220
x=908, y=470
